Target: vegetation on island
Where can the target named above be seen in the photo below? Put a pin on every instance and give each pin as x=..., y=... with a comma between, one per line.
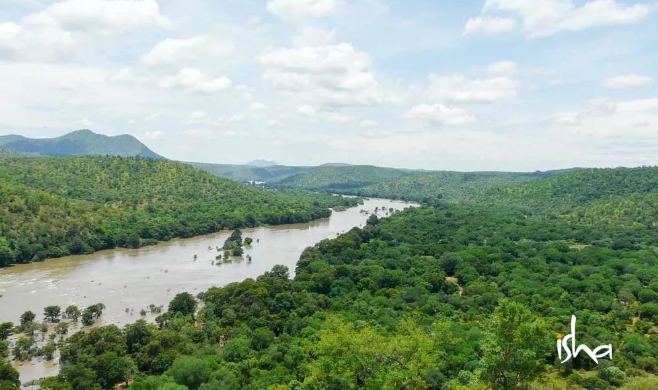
x=59, y=206
x=448, y=296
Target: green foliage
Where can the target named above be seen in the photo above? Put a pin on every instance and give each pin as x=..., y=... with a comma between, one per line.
x=514, y=347
x=183, y=304
x=27, y=317
x=8, y=377
x=190, y=371
x=52, y=207
x=250, y=173
x=52, y=313
x=339, y=178
x=451, y=295
x=6, y=330
x=72, y=313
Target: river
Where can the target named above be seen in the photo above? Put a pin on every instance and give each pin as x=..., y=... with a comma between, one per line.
x=128, y=280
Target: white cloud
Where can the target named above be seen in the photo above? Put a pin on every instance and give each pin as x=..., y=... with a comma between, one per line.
x=439, y=114
x=177, y=51
x=192, y=80
x=153, y=134
x=313, y=36
x=334, y=75
x=369, y=123
x=547, y=17
x=628, y=81
x=502, y=68
x=200, y=133
x=291, y=9
x=458, y=89
x=328, y=115
x=34, y=44
x=257, y=106
x=104, y=16
x=152, y=117
x=86, y=123
x=489, y=25
x=638, y=105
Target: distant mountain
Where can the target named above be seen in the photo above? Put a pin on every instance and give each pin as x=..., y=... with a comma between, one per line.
x=262, y=163
x=79, y=143
x=8, y=153
x=335, y=165
x=250, y=173
x=339, y=178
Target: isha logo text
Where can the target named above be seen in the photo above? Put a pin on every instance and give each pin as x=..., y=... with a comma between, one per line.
x=563, y=344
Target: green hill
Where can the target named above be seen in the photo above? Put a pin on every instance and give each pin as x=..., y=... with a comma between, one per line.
x=79, y=143
x=55, y=206
x=448, y=185
x=621, y=196
x=450, y=296
x=250, y=173
x=339, y=178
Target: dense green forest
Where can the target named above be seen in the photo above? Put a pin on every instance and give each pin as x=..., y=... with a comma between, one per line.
x=250, y=173
x=449, y=296
x=449, y=185
x=406, y=184
x=339, y=178
x=56, y=206
x=78, y=143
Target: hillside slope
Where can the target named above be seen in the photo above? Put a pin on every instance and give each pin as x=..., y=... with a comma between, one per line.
x=79, y=143
x=621, y=196
x=451, y=296
x=52, y=207
x=339, y=178
x=250, y=173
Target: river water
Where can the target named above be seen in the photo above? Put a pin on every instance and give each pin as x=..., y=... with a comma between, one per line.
x=128, y=280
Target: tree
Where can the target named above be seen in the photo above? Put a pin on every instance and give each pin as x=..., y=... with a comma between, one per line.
x=72, y=313
x=236, y=236
x=24, y=348
x=87, y=318
x=48, y=350
x=52, y=313
x=27, y=317
x=9, y=378
x=62, y=328
x=513, y=347
x=6, y=330
x=248, y=241
x=190, y=371
x=183, y=303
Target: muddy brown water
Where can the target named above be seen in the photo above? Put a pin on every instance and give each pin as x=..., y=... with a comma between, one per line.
x=134, y=279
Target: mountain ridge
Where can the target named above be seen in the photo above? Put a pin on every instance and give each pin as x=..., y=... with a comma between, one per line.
x=79, y=143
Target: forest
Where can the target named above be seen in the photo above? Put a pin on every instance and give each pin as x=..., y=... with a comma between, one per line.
x=58, y=206
x=449, y=296
x=418, y=186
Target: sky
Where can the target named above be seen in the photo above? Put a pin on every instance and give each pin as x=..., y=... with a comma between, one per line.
x=513, y=85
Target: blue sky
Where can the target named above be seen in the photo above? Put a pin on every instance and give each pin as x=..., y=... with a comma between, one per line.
x=446, y=84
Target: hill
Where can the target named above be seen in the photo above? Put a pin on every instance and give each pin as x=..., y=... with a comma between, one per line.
x=450, y=296
x=261, y=163
x=8, y=153
x=339, y=178
x=56, y=206
x=249, y=173
x=79, y=143
x=621, y=196
x=446, y=185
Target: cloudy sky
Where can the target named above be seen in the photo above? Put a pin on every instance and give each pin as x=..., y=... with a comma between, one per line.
x=438, y=84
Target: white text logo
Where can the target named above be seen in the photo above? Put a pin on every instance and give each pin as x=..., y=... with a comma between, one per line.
x=573, y=351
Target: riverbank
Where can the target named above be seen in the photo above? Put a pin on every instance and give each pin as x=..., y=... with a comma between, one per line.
x=133, y=279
